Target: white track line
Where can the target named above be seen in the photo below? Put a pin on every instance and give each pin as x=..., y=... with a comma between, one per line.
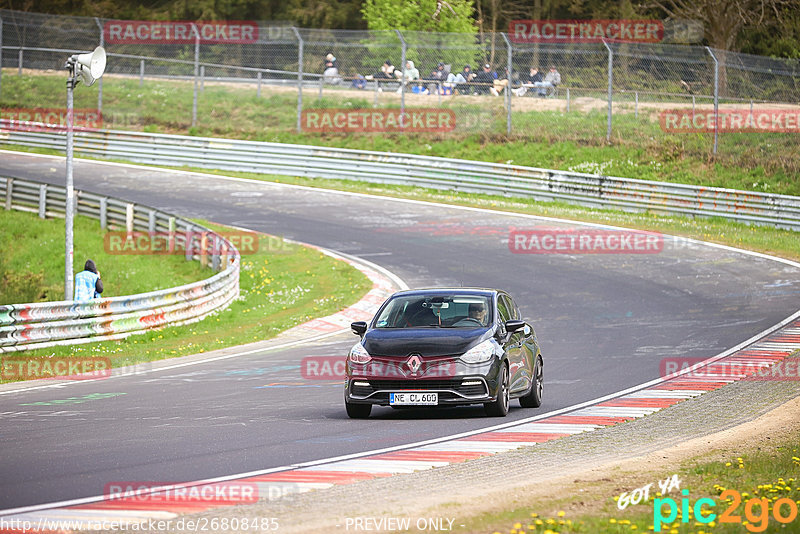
x=440, y=444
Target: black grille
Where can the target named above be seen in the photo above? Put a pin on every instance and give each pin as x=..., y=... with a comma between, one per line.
x=414, y=384
x=360, y=391
x=473, y=390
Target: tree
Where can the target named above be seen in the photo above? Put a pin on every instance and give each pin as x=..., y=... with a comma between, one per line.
x=451, y=16
x=778, y=38
x=724, y=20
x=334, y=14
x=445, y=27
x=495, y=15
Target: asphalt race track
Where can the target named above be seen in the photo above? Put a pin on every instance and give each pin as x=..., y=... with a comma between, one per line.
x=605, y=321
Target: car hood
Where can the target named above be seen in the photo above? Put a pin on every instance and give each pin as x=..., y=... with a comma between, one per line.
x=428, y=342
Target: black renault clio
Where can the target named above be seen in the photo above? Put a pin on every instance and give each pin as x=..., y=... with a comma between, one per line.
x=444, y=347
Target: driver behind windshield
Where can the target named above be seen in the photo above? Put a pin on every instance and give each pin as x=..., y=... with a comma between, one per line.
x=477, y=311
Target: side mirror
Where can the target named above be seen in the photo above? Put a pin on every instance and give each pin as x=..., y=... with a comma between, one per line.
x=359, y=327
x=514, y=326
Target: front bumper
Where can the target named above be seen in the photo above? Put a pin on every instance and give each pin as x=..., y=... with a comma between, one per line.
x=454, y=381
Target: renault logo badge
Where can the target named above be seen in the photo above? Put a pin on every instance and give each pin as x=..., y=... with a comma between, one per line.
x=414, y=362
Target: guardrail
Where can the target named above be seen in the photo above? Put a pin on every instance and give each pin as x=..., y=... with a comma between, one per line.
x=782, y=211
x=46, y=324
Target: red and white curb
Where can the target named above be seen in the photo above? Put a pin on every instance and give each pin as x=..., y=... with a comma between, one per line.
x=277, y=483
x=150, y=507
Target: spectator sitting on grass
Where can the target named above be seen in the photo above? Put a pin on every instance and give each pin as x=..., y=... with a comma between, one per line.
x=386, y=72
x=533, y=78
x=331, y=71
x=498, y=85
x=438, y=76
x=484, y=80
x=551, y=79
x=409, y=74
x=88, y=284
x=461, y=79
x=359, y=82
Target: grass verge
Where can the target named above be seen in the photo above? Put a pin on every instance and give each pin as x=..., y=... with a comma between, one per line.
x=543, y=136
x=32, y=262
x=281, y=285
x=769, y=474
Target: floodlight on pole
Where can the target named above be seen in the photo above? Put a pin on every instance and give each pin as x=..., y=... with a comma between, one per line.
x=87, y=68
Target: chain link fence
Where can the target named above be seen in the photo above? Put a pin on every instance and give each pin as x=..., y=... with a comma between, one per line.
x=309, y=75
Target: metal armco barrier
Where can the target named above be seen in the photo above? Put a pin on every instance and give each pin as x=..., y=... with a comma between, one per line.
x=782, y=211
x=45, y=324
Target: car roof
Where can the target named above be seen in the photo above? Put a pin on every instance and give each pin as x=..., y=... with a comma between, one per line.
x=449, y=290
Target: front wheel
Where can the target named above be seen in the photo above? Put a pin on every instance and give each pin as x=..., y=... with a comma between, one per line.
x=499, y=408
x=534, y=398
x=358, y=411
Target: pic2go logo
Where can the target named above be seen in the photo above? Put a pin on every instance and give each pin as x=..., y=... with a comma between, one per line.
x=756, y=511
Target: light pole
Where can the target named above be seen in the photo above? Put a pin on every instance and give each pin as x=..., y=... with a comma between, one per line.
x=87, y=68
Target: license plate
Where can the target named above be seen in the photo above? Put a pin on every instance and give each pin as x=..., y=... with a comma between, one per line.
x=414, y=398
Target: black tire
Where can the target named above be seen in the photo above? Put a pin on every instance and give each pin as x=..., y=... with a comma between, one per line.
x=534, y=398
x=499, y=408
x=358, y=411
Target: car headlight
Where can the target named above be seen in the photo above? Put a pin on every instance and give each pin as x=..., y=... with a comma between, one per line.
x=358, y=354
x=482, y=352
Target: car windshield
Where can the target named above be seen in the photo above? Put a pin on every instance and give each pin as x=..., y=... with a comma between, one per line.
x=444, y=311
